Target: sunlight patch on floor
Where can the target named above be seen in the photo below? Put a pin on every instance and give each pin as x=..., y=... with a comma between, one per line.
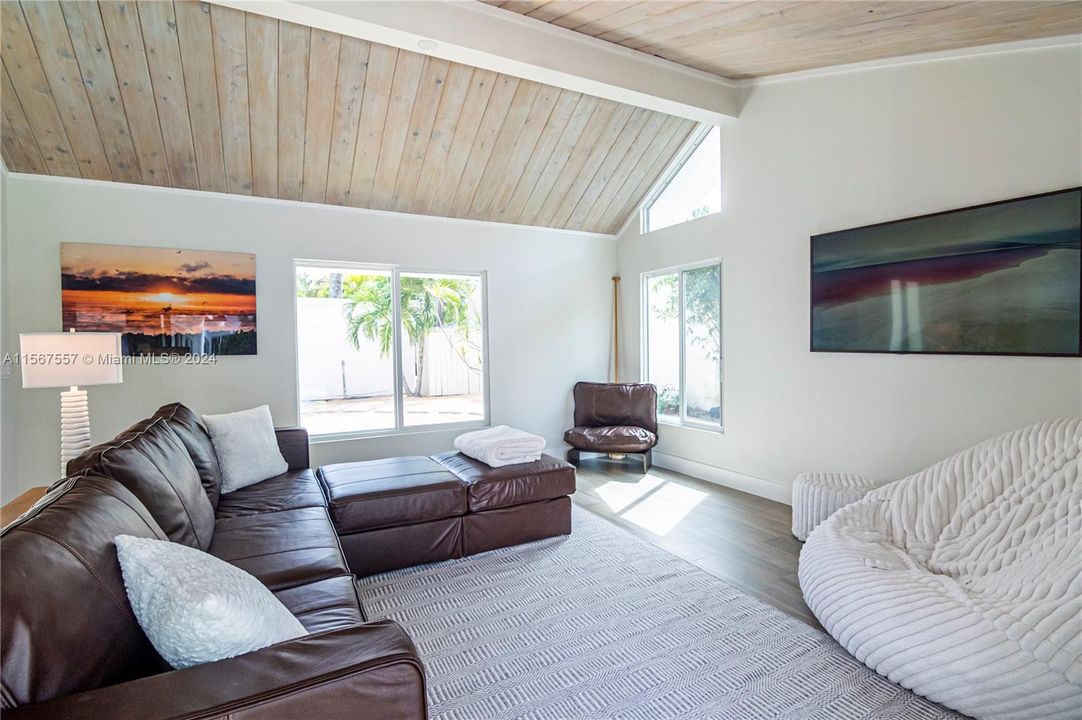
x=620, y=495
x=664, y=508
x=653, y=503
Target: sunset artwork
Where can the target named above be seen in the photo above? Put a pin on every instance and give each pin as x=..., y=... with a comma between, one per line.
x=163, y=301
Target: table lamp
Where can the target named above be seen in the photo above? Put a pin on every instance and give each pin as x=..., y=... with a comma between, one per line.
x=71, y=359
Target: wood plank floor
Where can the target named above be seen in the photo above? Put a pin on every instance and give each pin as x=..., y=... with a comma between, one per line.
x=740, y=538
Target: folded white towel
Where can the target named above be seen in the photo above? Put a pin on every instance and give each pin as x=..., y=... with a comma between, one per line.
x=501, y=445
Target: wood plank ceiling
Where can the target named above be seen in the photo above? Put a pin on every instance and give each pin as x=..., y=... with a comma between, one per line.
x=190, y=95
x=738, y=39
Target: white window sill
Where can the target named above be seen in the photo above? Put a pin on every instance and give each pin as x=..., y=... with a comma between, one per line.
x=674, y=422
x=389, y=433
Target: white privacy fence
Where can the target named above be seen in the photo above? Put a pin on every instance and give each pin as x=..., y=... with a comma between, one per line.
x=446, y=372
x=331, y=369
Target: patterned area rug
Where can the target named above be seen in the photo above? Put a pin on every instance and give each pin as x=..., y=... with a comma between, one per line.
x=602, y=624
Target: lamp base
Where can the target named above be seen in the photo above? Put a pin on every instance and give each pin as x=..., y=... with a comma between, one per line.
x=74, y=426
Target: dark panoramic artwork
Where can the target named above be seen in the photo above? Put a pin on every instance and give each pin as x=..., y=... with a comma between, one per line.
x=163, y=301
x=994, y=279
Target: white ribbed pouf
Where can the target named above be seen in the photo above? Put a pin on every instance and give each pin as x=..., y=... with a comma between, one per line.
x=816, y=496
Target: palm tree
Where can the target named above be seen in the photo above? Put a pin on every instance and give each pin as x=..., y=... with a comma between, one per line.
x=427, y=303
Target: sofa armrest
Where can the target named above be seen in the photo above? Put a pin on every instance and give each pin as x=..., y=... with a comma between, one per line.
x=293, y=442
x=370, y=670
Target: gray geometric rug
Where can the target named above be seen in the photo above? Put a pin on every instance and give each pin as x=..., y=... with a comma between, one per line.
x=601, y=624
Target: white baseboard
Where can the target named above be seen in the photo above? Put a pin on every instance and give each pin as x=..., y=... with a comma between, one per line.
x=729, y=478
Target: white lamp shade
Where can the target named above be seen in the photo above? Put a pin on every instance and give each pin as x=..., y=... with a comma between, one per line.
x=64, y=359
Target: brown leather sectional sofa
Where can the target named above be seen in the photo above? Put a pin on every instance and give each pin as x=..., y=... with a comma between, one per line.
x=71, y=647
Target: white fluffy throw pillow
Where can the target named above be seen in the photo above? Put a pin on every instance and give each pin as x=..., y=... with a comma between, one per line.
x=246, y=446
x=195, y=608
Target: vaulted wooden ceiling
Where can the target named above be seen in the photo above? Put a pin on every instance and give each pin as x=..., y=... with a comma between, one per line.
x=190, y=95
x=739, y=39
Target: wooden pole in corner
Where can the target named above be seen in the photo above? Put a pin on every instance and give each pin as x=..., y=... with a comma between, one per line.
x=616, y=328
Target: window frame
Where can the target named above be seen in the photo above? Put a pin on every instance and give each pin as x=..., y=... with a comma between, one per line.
x=396, y=271
x=644, y=323
x=670, y=174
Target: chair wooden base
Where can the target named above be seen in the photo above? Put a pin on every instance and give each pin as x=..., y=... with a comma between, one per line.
x=646, y=458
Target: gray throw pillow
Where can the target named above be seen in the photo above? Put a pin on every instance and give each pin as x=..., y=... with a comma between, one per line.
x=246, y=446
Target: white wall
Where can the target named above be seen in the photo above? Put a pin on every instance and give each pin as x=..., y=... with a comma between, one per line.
x=839, y=151
x=7, y=374
x=548, y=303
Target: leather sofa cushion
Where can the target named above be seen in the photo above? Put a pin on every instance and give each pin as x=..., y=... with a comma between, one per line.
x=488, y=487
x=367, y=671
x=291, y=490
x=89, y=461
x=293, y=444
x=152, y=462
x=283, y=549
x=330, y=604
x=614, y=404
x=189, y=428
x=394, y=491
x=621, y=438
x=66, y=624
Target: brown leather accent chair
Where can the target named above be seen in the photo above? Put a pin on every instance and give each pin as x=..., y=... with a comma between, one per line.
x=614, y=418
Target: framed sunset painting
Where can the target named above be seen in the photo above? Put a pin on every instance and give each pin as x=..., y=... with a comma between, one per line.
x=163, y=301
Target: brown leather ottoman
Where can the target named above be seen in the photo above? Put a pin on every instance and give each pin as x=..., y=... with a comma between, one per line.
x=400, y=512
x=515, y=525
x=489, y=488
x=395, y=512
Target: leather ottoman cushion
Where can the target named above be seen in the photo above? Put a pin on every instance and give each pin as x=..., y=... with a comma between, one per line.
x=291, y=490
x=618, y=438
x=283, y=549
x=488, y=487
x=391, y=548
x=503, y=527
x=330, y=604
x=394, y=491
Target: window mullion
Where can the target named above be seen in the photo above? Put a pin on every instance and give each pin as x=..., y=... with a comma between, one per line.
x=721, y=358
x=683, y=350
x=396, y=314
x=644, y=323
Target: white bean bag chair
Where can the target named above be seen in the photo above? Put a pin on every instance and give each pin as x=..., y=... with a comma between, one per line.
x=963, y=582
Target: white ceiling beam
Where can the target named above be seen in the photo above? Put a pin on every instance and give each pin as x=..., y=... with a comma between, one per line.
x=473, y=33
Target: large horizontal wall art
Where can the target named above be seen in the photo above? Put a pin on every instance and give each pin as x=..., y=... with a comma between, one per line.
x=163, y=301
x=997, y=279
